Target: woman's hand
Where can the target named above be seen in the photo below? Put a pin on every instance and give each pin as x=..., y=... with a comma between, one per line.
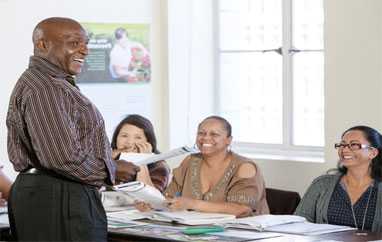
x=144, y=147
x=142, y=206
x=181, y=203
x=144, y=175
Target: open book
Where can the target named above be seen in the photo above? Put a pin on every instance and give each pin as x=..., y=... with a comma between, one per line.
x=190, y=217
x=145, y=159
x=261, y=222
x=139, y=191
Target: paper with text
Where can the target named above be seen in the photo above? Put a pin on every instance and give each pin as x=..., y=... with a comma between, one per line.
x=145, y=159
x=142, y=192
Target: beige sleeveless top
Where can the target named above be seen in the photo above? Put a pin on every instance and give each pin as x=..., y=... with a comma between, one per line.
x=230, y=188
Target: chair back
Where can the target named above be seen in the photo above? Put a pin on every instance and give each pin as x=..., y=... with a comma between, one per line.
x=282, y=201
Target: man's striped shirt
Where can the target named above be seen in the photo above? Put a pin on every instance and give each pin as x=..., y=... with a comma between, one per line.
x=53, y=125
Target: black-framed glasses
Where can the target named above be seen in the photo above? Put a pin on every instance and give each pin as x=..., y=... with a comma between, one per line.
x=352, y=146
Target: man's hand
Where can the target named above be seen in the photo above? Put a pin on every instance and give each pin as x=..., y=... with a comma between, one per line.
x=126, y=171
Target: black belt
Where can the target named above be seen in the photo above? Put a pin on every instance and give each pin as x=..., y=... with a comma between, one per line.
x=35, y=171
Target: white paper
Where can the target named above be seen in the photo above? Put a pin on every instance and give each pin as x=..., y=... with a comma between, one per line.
x=261, y=222
x=135, y=158
x=3, y=209
x=4, y=219
x=115, y=224
x=190, y=217
x=142, y=192
x=145, y=158
x=246, y=234
x=126, y=215
x=111, y=199
x=307, y=228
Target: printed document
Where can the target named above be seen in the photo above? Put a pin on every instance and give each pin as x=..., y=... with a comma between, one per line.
x=116, y=201
x=145, y=158
x=142, y=192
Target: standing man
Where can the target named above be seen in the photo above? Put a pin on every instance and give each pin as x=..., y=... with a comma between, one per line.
x=57, y=141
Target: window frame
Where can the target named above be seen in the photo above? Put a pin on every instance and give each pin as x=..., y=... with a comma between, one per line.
x=286, y=150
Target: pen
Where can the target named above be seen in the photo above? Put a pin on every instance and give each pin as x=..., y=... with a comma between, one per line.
x=202, y=230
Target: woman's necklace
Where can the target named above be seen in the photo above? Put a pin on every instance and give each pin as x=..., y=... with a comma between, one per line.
x=365, y=212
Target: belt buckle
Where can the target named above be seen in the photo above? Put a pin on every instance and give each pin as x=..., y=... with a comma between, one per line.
x=31, y=171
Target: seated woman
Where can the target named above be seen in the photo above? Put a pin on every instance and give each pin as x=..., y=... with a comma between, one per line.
x=216, y=180
x=135, y=133
x=352, y=196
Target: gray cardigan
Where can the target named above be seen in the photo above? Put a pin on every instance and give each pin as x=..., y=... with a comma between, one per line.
x=314, y=204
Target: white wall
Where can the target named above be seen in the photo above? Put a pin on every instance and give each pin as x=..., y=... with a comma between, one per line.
x=18, y=18
x=353, y=68
x=191, y=67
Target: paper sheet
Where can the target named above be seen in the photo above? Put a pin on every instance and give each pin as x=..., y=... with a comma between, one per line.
x=145, y=159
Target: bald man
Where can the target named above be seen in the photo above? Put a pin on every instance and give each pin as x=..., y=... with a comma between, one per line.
x=57, y=141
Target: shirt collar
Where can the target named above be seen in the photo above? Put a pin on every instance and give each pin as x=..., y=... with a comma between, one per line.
x=51, y=69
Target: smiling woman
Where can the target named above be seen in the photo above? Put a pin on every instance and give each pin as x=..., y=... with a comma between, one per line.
x=352, y=196
x=135, y=134
x=217, y=180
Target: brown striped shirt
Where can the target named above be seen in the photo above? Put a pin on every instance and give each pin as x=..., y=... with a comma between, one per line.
x=53, y=126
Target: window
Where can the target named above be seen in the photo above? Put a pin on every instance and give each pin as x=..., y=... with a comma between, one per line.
x=270, y=73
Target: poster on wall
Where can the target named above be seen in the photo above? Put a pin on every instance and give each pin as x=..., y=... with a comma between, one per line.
x=118, y=53
x=117, y=71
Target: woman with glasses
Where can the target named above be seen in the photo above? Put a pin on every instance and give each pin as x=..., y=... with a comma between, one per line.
x=353, y=195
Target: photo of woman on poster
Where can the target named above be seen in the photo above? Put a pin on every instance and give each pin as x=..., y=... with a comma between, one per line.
x=117, y=53
x=129, y=60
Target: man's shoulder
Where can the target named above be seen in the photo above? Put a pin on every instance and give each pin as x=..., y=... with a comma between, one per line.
x=33, y=77
x=32, y=82
x=26, y=83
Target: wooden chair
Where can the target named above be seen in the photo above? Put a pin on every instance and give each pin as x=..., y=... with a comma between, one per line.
x=282, y=201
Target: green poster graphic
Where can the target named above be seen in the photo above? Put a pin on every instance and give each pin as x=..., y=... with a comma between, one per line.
x=118, y=52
